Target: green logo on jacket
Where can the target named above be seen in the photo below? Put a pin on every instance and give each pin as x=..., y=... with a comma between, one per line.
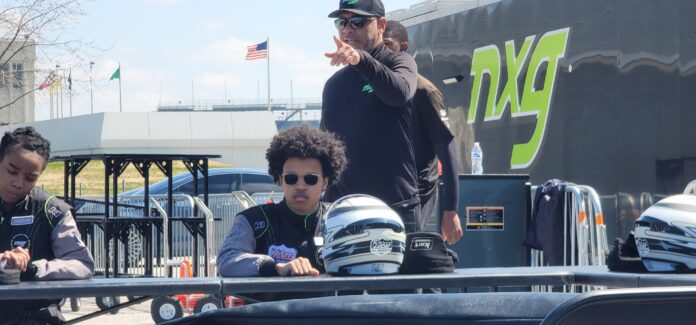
x=367, y=89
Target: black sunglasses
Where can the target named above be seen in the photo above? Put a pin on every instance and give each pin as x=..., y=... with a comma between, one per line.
x=309, y=179
x=356, y=22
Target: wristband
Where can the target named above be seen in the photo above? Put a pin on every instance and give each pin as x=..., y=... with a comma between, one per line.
x=268, y=268
x=30, y=273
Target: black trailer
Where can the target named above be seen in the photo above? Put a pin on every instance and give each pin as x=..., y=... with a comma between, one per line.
x=597, y=92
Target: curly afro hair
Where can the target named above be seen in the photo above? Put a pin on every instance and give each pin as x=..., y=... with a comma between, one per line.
x=305, y=142
x=27, y=138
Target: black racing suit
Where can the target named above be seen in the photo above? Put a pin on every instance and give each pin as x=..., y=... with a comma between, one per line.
x=264, y=235
x=44, y=225
x=369, y=107
x=432, y=137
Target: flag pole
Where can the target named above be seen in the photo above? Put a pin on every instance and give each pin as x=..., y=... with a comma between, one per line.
x=268, y=69
x=120, y=107
x=91, y=92
x=70, y=89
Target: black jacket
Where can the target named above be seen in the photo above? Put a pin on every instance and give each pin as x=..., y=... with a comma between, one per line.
x=369, y=107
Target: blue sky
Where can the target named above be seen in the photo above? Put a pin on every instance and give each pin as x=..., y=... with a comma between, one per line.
x=183, y=45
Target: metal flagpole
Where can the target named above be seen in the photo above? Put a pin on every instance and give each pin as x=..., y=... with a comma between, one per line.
x=70, y=89
x=60, y=89
x=268, y=69
x=91, y=92
x=50, y=105
x=120, y=107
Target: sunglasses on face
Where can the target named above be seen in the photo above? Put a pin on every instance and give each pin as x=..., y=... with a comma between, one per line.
x=309, y=179
x=356, y=22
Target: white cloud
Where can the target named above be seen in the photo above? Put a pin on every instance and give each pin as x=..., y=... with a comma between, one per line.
x=216, y=80
x=162, y=2
x=231, y=50
x=216, y=25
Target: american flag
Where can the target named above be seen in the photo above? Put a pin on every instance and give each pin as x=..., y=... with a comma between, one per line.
x=257, y=51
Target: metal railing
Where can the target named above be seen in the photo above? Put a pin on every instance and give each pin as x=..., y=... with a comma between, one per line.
x=585, y=234
x=261, y=198
x=218, y=215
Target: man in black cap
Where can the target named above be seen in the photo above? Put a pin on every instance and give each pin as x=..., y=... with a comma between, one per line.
x=368, y=105
x=433, y=142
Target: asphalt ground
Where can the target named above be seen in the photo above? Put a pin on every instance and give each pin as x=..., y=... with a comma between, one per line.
x=134, y=315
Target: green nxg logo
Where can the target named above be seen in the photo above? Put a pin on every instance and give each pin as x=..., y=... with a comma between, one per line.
x=350, y=2
x=367, y=89
x=533, y=102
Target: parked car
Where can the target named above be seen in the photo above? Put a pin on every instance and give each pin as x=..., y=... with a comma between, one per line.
x=220, y=180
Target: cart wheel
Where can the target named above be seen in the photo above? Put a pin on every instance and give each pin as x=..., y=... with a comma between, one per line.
x=165, y=308
x=206, y=304
x=108, y=302
x=62, y=302
x=75, y=304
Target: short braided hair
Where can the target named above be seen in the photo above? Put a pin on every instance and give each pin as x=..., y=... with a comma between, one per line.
x=27, y=138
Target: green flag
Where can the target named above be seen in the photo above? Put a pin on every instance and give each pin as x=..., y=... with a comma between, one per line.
x=116, y=75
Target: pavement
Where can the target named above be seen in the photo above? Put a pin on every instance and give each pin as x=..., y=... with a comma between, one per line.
x=134, y=315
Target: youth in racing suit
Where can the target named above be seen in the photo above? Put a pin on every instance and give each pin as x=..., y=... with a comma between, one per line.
x=43, y=225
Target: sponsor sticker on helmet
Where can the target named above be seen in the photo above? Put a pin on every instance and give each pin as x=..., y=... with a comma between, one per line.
x=642, y=245
x=380, y=246
x=378, y=267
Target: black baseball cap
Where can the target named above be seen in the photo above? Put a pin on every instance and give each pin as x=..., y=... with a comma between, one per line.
x=360, y=7
x=426, y=253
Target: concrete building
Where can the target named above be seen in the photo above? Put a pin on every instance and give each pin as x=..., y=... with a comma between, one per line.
x=241, y=138
x=17, y=80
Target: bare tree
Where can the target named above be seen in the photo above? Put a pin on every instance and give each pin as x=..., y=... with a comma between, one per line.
x=36, y=26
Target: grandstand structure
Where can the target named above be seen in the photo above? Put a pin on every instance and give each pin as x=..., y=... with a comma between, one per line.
x=287, y=112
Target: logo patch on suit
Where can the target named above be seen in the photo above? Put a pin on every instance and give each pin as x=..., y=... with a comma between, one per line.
x=421, y=244
x=259, y=225
x=282, y=253
x=54, y=212
x=22, y=220
x=20, y=240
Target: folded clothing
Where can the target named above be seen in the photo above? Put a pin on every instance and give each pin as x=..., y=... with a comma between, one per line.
x=9, y=276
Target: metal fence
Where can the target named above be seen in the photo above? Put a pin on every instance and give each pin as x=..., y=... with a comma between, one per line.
x=261, y=198
x=221, y=210
x=585, y=235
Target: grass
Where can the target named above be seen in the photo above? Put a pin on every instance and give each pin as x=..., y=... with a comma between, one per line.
x=90, y=181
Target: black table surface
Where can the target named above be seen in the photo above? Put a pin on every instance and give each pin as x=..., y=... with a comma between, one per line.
x=461, y=278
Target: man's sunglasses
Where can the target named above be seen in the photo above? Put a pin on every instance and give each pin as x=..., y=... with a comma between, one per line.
x=356, y=22
x=309, y=179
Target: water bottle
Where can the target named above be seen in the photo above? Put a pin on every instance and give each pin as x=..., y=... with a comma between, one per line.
x=476, y=160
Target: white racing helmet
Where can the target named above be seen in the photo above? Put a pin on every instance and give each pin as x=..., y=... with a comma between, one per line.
x=362, y=236
x=666, y=235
